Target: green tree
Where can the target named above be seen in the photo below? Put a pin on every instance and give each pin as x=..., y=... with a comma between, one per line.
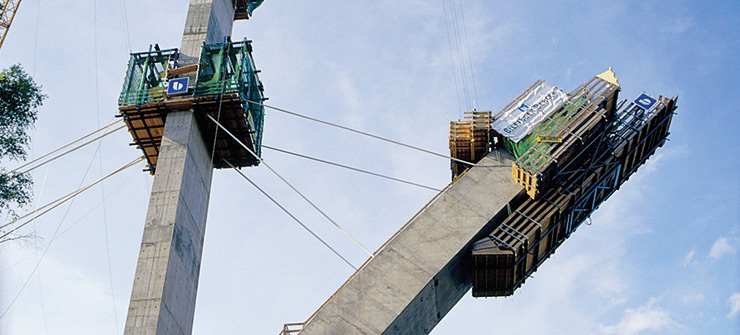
x=19, y=98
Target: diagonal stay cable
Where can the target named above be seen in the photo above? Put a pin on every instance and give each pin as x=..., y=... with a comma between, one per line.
x=291, y=186
x=38, y=263
x=89, y=211
x=351, y=168
x=361, y=133
x=290, y=214
x=66, y=152
x=56, y=203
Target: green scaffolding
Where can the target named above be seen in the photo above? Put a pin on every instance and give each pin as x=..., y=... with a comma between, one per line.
x=229, y=68
x=224, y=69
x=146, y=78
x=548, y=127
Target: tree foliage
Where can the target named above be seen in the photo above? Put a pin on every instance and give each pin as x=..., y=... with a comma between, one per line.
x=19, y=98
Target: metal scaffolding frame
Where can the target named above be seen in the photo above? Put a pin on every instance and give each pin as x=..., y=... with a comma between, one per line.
x=631, y=137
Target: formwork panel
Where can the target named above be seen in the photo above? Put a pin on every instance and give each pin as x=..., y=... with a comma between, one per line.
x=537, y=227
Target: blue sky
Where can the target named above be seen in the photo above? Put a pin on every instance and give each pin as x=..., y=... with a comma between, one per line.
x=662, y=255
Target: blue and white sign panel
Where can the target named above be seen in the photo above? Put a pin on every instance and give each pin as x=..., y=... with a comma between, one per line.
x=528, y=112
x=178, y=86
x=645, y=101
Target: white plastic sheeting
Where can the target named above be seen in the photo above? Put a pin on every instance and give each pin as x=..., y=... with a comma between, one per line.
x=518, y=121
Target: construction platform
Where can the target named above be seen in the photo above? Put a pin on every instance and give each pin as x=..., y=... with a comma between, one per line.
x=502, y=261
x=224, y=85
x=572, y=151
x=581, y=119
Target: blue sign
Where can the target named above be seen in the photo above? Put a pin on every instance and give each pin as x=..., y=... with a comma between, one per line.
x=178, y=86
x=645, y=101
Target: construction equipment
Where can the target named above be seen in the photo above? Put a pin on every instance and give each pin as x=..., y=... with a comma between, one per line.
x=244, y=8
x=578, y=121
x=8, y=8
x=225, y=86
x=487, y=232
x=530, y=234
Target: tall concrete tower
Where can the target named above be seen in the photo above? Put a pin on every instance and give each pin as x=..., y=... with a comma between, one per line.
x=182, y=152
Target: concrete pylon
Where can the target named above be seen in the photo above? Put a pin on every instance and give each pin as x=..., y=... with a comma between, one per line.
x=166, y=282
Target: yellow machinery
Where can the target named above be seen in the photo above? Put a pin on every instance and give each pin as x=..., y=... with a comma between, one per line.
x=7, y=13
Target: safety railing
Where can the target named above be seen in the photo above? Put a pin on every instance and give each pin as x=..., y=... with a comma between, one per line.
x=146, y=77
x=224, y=69
x=292, y=328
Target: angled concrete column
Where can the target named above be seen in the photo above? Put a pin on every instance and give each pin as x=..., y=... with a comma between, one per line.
x=424, y=270
x=166, y=282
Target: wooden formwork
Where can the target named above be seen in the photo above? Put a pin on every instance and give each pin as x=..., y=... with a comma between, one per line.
x=146, y=125
x=470, y=139
x=577, y=123
x=533, y=230
x=524, y=238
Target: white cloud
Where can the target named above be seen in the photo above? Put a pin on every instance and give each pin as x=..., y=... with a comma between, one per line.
x=644, y=318
x=689, y=258
x=720, y=248
x=734, y=305
x=694, y=298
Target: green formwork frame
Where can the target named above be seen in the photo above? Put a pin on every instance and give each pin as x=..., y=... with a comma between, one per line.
x=229, y=68
x=146, y=76
x=225, y=68
x=546, y=128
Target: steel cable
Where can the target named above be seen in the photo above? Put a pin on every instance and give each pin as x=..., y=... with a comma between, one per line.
x=292, y=187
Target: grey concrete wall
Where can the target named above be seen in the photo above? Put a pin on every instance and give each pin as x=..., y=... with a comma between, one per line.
x=424, y=270
x=208, y=21
x=166, y=282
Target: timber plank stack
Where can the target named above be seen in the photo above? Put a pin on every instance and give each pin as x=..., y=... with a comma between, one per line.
x=470, y=139
x=146, y=126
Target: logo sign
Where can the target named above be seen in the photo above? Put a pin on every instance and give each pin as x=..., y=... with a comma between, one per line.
x=645, y=101
x=178, y=86
x=525, y=114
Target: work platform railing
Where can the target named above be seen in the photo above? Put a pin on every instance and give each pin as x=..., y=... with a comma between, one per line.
x=224, y=84
x=292, y=328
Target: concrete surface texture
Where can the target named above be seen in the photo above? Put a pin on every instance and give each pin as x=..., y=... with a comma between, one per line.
x=166, y=282
x=208, y=21
x=423, y=271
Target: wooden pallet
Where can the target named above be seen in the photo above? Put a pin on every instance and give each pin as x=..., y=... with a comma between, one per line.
x=146, y=125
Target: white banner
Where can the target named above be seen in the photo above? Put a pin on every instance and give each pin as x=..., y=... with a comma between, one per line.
x=516, y=122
